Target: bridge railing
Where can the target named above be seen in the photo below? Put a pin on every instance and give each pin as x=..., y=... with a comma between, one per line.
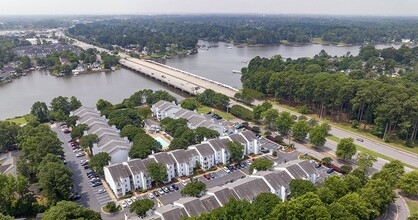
x=194, y=75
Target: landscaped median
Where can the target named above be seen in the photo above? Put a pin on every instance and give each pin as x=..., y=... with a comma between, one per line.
x=111, y=208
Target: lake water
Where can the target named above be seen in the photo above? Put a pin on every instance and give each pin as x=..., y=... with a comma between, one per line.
x=16, y=98
x=216, y=63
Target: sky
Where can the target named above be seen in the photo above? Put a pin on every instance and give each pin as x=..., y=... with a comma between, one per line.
x=145, y=7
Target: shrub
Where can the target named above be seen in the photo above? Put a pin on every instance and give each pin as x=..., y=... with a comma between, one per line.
x=274, y=153
x=345, y=169
x=241, y=112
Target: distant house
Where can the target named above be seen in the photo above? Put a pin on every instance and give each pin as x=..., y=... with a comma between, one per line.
x=34, y=51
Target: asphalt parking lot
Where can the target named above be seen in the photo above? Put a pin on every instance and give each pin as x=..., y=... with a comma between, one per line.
x=90, y=197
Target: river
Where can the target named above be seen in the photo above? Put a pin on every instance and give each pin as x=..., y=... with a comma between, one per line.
x=216, y=63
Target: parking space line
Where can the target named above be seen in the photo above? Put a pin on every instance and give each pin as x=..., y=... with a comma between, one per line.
x=158, y=200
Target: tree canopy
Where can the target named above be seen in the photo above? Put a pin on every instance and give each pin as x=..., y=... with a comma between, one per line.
x=98, y=161
x=194, y=188
x=346, y=148
x=261, y=164
x=70, y=210
x=157, y=172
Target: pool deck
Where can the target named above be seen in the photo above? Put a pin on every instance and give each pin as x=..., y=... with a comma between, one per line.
x=161, y=135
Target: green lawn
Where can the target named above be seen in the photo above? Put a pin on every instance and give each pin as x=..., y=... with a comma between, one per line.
x=367, y=151
x=18, y=120
x=205, y=109
x=412, y=205
x=346, y=126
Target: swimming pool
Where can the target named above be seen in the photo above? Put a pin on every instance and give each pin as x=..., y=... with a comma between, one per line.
x=162, y=142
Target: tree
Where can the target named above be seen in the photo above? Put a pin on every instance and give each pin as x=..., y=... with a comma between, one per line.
x=203, y=133
x=98, y=161
x=78, y=131
x=377, y=193
x=300, y=130
x=241, y=112
x=236, y=150
x=141, y=207
x=61, y=103
x=264, y=203
x=190, y=104
x=391, y=172
x=40, y=111
x=74, y=103
x=178, y=143
x=409, y=183
x=284, y=122
x=260, y=109
x=350, y=206
x=8, y=135
x=261, y=164
x=71, y=121
x=365, y=160
x=130, y=132
x=346, y=148
x=157, y=172
x=143, y=145
x=317, y=135
x=193, y=189
x=326, y=160
x=70, y=210
x=111, y=207
x=55, y=181
x=58, y=115
x=299, y=187
x=103, y=104
x=87, y=141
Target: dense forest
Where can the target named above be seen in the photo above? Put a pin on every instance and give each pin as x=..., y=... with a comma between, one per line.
x=156, y=33
x=377, y=87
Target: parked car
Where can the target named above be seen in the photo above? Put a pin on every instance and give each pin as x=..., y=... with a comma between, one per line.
x=156, y=193
x=80, y=154
x=86, y=167
x=84, y=162
x=238, y=126
x=265, y=150
x=161, y=191
x=226, y=170
x=94, y=179
x=101, y=191
x=124, y=205
x=318, y=165
x=175, y=186
x=330, y=170
x=183, y=182
x=76, y=150
x=206, y=176
x=66, y=131
x=258, y=136
x=129, y=201
x=75, y=197
x=212, y=176
x=166, y=190
x=151, y=196
x=95, y=184
x=171, y=188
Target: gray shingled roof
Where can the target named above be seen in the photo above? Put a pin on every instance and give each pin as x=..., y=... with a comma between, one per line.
x=276, y=179
x=160, y=103
x=196, y=120
x=148, y=160
x=188, y=114
x=164, y=158
x=238, y=138
x=82, y=108
x=150, y=122
x=170, y=212
x=193, y=206
x=108, y=138
x=192, y=152
x=86, y=118
x=101, y=133
x=223, y=194
x=114, y=146
x=209, y=202
x=137, y=166
x=249, y=135
x=248, y=188
x=219, y=144
x=204, y=149
x=181, y=156
x=296, y=171
x=180, y=112
x=97, y=127
x=308, y=167
x=118, y=171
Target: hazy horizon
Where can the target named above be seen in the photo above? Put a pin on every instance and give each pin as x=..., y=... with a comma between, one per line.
x=379, y=8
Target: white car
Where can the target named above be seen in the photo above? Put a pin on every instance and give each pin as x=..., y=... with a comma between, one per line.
x=134, y=199
x=129, y=201
x=80, y=154
x=226, y=170
x=150, y=196
x=101, y=191
x=77, y=150
x=161, y=191
x=124, y=205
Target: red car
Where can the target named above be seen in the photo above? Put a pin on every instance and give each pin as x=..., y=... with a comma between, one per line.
x=206, y=176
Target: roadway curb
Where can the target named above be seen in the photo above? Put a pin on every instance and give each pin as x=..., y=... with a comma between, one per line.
x=406, y=205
